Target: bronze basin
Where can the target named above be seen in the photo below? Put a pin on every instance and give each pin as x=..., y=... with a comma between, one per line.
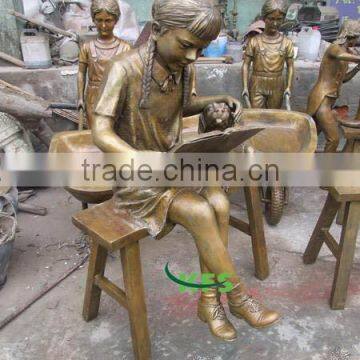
x=284, y=131
x=80, y=142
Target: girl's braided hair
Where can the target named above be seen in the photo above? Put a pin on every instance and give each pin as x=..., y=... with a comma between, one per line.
x=199, y=17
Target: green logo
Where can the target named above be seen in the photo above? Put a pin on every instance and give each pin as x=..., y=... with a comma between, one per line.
x=187, y=282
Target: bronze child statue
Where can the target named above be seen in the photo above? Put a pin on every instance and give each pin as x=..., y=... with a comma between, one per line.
x=333, y=73
x=145, y=94
x=268, y=52
x=95, y=54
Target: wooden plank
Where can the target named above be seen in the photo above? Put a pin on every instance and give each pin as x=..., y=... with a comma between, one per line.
x=112, y=290
x=98, y=255
x=240, y=225
x=135, y=293
x=317, y=238
x=11, y=59
x=253, y=204
x=346, y=256
x=331, y=243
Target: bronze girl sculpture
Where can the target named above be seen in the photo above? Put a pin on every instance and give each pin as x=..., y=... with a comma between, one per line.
x=160, y=75
x=268, y=52
x=95, y=54
x=333, y=73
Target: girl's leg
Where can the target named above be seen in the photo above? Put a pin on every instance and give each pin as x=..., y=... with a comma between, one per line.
x=326, y=120
x=196, y=214
x=203, y=217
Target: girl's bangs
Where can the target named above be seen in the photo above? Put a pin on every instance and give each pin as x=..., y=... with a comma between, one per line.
x=207, y=26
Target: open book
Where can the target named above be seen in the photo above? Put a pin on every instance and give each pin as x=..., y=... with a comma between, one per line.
x=215, y=141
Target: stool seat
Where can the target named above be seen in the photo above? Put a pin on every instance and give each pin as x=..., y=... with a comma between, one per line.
x=111, y=228
x=345, y=194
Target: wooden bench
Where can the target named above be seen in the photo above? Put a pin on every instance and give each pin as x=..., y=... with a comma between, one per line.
x=343, y=252
x=110, y=230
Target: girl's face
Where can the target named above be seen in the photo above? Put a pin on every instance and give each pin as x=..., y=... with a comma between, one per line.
x=273, y=21
x=105, y=23
x=178, y=48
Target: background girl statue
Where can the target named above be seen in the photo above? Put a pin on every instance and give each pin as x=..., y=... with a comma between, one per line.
x=333, y=73
x=95, y=54
x=269, y=52
x=159, y=74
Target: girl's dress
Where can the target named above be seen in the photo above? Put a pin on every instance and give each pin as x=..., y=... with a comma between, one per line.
x=157, y=128
x=96, y=55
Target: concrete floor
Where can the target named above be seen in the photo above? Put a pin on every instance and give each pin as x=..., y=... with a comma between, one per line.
x=53, y=327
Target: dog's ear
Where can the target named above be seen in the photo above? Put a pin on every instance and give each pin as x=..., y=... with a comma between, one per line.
x=202, y=128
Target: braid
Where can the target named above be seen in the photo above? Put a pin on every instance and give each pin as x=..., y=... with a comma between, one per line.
x=146, y=81
x=186, y=86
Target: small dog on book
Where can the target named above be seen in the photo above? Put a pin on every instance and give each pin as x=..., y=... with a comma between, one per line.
x=216, y=116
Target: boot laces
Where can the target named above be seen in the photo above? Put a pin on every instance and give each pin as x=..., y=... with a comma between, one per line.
x=218, y=312
x=253, y=305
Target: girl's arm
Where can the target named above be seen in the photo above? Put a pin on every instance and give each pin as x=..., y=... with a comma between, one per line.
x=290, y=75
x=81, y=81
x=351, y=73
x=106, y=139
x=199, y=103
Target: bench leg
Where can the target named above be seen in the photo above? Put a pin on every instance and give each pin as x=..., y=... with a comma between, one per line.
x=256, y=224
x=346, y=255
x=317, y=238
x=97, y=263
x=135, y=294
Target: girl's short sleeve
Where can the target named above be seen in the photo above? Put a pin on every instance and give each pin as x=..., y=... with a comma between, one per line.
x=112, y=93
x=84, y=54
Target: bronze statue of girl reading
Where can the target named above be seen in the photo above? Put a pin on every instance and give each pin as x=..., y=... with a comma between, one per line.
x=144, y=96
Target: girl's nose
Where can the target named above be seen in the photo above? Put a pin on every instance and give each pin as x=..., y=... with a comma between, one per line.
x=191, y=55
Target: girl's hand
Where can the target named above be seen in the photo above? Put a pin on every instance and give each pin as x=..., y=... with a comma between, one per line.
x=234, y=105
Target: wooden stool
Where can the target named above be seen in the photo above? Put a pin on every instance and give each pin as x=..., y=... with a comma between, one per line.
x=255, y=229
x=351, y=130
x=344, y=252
x=109, y=231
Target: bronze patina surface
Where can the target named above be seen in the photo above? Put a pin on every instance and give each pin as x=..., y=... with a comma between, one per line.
x=143, y=98
x=95, y=54
x=268, y=53
x=333, y=73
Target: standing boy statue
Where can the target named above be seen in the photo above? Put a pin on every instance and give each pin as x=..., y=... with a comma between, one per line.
x=268, y=52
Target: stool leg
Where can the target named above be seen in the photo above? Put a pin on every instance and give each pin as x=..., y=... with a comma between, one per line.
x=97, y=263
x=317, y=238
x=253, y=205
x=135, y=294
x=346, y=255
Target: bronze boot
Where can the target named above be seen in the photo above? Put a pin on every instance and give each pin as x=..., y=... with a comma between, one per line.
x=211, y=311
x=243, y=306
